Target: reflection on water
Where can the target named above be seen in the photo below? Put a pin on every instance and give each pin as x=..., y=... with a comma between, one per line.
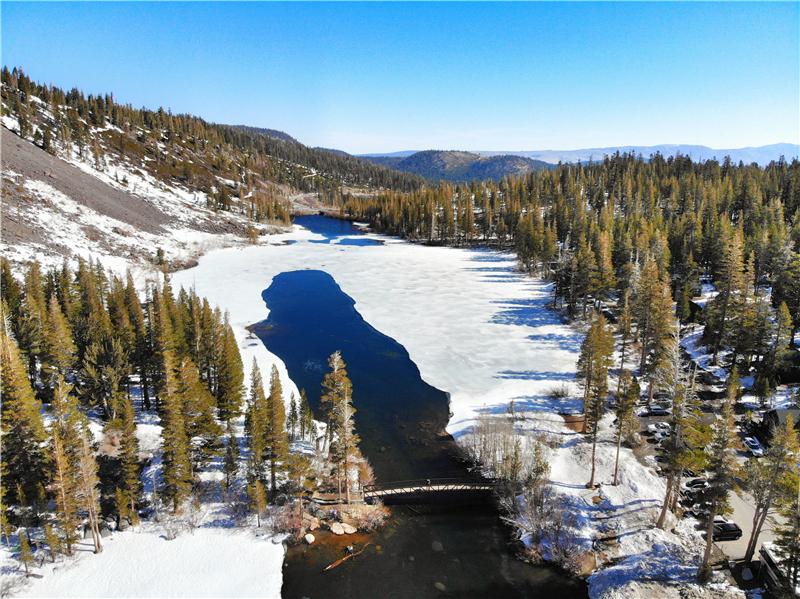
x=431, y=551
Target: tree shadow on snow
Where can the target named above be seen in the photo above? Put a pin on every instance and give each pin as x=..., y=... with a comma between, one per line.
x=535, y=403
x=535, y=375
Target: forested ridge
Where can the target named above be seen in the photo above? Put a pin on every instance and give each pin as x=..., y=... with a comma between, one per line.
x=183, y=147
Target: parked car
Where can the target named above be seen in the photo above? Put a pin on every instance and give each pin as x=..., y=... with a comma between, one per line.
x=658, y=427
x=660, y=411
x=695, y=485
x=699, y=510
x=725, y=530
x=754, y=446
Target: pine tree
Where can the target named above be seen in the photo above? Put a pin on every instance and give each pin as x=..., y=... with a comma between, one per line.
x=52, y=540
x=787, y=542
x=202, y=431
x=162, y=344
x=24, y=462
x=176, y=464
x=88, y=494
x=10, y=292
x=730, y=280
x=293, y=419
x=142, y=350
x=624, y=329
x=722, y=469
x=105, y=370
x=627, y=423
x=131, y=485
x=25, y=553
x=59, y=349
x=770, y=479
x=31, y=319
x=230, y=466
x=255, y=425
x=258, y=499
x=277, y=443
x=765, y=379
x=307, y=427
x=787, y=290
x=689, y=435
x=593, y=364
x=65, y=442
x=230, y=375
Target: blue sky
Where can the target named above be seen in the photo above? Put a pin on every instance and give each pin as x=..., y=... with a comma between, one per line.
x=383, y=77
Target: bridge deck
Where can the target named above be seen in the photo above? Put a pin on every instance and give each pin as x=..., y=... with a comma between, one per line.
x=415, y=487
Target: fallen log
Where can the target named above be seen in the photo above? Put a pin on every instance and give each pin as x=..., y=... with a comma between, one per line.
x=341, y=560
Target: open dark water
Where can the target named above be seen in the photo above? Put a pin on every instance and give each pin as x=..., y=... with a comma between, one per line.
x=401, y=422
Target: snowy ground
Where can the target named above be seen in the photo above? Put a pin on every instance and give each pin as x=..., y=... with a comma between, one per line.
x=206, y=563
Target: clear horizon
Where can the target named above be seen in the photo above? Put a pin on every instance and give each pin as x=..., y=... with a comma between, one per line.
x=381, y=78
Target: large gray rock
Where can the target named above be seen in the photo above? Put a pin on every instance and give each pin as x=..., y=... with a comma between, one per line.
x=348, y=528
x=337, y=528
x=309, y=538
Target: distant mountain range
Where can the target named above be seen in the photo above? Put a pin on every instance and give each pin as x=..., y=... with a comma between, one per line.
x=462, y=166
x=454, y=165
x=760, y=154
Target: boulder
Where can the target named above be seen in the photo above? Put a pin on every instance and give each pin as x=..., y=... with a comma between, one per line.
x=309, y=538
x=123, y=524
x=437, y=546
x=105, y=532
x=348, y=528
x=440, y=586
x=337, y=529
x=310, y=522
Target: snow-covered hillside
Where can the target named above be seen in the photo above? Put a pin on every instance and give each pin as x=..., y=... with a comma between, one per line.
x=115, y=212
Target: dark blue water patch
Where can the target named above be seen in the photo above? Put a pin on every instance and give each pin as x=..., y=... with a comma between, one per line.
x=361, y=241
x=310, y=318
x=329, y=228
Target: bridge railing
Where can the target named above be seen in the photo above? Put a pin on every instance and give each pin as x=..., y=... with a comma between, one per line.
x=426, y=482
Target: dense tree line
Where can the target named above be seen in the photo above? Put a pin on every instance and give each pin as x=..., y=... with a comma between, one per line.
x=83, y=342
x=81, y=348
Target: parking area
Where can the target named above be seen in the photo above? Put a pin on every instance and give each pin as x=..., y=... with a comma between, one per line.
x=741, y=503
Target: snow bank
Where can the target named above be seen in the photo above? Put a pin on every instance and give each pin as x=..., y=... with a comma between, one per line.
x=208, y=563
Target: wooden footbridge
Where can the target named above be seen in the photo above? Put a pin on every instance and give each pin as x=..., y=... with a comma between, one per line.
x=429, y=490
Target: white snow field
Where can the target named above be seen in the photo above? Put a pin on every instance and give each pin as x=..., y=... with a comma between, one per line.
x=206, y=563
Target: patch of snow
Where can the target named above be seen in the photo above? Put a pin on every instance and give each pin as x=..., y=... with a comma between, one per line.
x=209, y=562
